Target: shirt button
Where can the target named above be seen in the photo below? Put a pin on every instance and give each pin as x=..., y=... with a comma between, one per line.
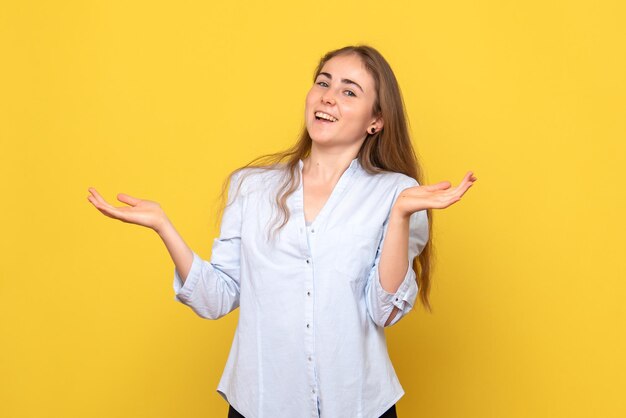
x=309, y=358
x=312, y=230
x=396, y=299
x=308, y=293
x=308, y=261
x=308, y=326
x=313, y=390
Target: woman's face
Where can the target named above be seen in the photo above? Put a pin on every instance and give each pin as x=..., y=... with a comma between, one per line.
x=345, y=91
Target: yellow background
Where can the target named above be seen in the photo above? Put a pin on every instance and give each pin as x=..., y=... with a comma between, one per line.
x=162, y=99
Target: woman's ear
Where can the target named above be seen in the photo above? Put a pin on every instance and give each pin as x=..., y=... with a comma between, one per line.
x=375, y=128
x=377, y=125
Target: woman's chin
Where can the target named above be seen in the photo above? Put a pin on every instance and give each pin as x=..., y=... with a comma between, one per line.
x=323, y=139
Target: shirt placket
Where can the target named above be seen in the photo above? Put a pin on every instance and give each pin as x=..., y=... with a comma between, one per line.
x=307, y=243
x=309, y=338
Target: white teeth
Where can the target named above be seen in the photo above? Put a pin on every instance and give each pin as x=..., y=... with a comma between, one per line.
x=325, y=116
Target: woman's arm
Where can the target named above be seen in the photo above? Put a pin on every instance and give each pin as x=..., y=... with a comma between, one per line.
x=179, y=251
x=149, y=214
x=394, y=257
x=391, y=290
x=394, y=260
x=211, y=289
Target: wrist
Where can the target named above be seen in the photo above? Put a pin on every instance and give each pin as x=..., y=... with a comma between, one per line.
x=163, y=226
x=398, y=215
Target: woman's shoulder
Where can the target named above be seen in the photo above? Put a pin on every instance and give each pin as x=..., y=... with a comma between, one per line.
x=406, y=181
x=251, y=178
x=393, y=178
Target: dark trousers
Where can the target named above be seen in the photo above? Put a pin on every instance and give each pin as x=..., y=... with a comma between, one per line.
x=391, y=413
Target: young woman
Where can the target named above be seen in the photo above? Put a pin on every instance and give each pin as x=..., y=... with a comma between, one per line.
x=319, y=249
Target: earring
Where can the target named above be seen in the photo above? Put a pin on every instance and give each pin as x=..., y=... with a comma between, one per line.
x=373, y=131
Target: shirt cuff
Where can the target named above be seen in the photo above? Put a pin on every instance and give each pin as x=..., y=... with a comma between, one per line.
x=404, y=297
x=184, y=290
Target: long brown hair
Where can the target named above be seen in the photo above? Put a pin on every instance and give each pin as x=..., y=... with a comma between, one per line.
x=389, y=149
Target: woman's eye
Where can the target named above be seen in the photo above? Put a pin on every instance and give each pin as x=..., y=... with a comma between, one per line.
x=324, y=84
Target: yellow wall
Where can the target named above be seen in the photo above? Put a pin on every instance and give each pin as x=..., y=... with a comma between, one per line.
x=160, y=100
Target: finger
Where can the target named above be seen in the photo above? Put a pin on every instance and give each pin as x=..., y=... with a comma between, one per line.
x=465, y=187
x=133, y=201
x=470, y=177
x=98, y=204
x=99, y=198
x=449, y=197
x=106, y=213
x=108, y=210
x=115, y=213
x=442, y=185
x=467, y=181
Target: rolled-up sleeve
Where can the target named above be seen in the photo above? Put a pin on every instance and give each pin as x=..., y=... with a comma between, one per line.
x=211, y=289
x=379, y=302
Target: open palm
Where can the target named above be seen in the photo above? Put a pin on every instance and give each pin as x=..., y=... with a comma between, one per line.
x=434, y=196
x=141, y=212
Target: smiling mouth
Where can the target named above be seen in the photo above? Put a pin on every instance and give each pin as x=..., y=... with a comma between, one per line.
x=324, y=117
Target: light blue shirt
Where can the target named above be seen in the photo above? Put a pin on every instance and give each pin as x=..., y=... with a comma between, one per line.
x=310, y=340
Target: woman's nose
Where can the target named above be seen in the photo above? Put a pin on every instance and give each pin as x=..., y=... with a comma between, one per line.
x=328, y=97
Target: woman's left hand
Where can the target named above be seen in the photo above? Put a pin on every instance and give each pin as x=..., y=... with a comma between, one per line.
x=434, y=196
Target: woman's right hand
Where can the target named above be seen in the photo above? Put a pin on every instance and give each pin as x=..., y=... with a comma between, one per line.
x=141, y=212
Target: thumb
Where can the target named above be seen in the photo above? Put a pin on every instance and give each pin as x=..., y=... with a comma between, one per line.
x=128, y=199
x=442, y=185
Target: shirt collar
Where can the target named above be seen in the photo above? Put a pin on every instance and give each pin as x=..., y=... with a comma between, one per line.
x=353, y=164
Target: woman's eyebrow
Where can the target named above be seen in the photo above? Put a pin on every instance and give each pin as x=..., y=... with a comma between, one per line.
x=343, y=80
